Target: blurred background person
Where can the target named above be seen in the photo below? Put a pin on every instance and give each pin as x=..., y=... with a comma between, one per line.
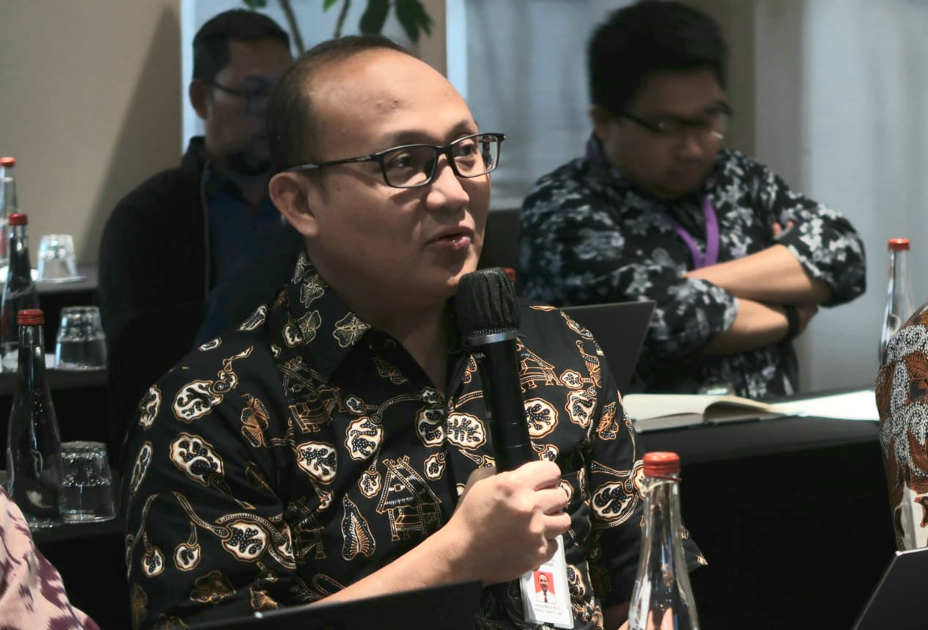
x=656, y=210
x=181, y=232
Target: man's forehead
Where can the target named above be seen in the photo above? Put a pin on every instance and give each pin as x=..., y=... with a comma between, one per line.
x=257, y=56
x=389, y=92
x=383, y=77
x=682, y=92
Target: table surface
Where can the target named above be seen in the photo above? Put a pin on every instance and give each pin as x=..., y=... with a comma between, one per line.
x=58, y=380
x=89, y=282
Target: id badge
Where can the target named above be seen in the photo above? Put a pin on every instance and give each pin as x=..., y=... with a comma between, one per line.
x=545, y=598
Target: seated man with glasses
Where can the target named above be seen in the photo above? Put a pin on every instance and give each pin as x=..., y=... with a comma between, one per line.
x=736, y=261
x=336, y=446
x=180, y=233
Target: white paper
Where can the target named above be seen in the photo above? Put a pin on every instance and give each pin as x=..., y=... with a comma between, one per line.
x=859, y=405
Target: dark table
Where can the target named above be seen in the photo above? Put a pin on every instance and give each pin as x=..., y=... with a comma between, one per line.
x=792, y=514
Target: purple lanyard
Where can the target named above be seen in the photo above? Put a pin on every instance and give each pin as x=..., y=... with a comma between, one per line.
x=712, y=235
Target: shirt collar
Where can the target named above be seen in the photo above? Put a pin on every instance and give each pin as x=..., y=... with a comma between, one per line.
x=321, y=323
x=318, y=320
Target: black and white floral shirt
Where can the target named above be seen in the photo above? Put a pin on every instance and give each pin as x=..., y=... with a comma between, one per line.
x=285, y=461
x=588, y=235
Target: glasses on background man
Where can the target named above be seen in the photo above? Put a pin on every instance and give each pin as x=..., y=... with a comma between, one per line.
x=255, y=98
x=713, y=125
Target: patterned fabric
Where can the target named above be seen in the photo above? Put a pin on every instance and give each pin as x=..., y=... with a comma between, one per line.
x=588, y=236
x=280, y=463
x=32, y=594
x=902, y=400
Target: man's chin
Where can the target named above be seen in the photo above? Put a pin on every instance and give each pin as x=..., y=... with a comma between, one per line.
x=249, y=163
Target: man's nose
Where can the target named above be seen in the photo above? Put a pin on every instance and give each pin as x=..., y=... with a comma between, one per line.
x=446, y=190
x=691, y=143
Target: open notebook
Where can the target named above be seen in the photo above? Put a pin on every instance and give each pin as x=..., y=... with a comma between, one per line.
x=655, y=412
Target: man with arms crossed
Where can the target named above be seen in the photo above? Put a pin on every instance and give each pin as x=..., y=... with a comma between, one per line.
x=736, y=261
x=336, y=446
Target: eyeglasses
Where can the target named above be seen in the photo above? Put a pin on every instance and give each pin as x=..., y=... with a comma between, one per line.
x=255, y=99
x=413, y=165
x=712, y=125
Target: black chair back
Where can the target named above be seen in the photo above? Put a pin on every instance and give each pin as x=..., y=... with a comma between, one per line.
x=147, y=347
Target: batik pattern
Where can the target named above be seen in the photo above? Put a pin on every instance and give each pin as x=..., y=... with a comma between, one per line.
x=32, y=594
x=588, y=236
x=902, y=401
x=290, y=460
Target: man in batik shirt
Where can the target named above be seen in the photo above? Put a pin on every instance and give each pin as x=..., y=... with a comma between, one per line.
x=336, y=446
x=902, y=400
x=736, y=262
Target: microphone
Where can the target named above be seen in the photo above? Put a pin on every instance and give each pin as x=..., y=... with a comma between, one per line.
x=488, y=318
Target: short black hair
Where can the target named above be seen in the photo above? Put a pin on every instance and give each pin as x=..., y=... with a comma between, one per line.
x=647, y=37
x=291, y=127
x=211, y=43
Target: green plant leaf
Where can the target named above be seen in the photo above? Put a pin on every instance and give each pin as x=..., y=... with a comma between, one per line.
x=375, y=15
x=328, y=4
x=254, y=5
x=413, y=18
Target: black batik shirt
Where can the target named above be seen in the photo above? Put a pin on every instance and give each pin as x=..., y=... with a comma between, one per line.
x=285, y=461
x=589, y=236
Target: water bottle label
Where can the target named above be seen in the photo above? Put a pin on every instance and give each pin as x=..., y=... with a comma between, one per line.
x=545, y=598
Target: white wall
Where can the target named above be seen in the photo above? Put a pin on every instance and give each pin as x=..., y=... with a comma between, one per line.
x=89, y=106
x=526, y=77
x=850, y=128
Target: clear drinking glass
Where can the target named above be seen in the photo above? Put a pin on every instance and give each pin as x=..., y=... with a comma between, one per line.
x=57, y=262
x=87, y=486
x=80, y=343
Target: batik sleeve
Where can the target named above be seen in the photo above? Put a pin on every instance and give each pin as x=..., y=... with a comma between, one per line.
x=32, y=594
x=573, y=252
x=614, y=472
x=206, y=536
x=822, y=240
x=902, y=401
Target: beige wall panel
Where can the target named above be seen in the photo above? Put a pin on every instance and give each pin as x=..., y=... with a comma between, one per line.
x=89, y=105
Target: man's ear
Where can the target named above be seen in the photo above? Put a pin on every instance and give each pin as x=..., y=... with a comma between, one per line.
x=290, y=194
x=601, y=119
x=199, y=94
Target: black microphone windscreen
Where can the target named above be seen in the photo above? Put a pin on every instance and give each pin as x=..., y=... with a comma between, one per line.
x=486, y=303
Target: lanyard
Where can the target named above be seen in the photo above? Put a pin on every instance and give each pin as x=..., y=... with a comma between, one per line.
x=712, y=235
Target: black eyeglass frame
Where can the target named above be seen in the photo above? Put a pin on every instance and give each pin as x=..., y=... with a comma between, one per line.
x=446, y=150
x=250, y=96
x=723, y=108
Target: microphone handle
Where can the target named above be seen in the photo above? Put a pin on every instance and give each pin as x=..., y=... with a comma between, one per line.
x=502, y=392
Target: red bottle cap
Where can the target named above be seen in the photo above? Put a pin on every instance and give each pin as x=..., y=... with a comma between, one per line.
x=898, y=244
x=660, y=464
x=19, y=218
x=7, y=161
x=30, y=317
